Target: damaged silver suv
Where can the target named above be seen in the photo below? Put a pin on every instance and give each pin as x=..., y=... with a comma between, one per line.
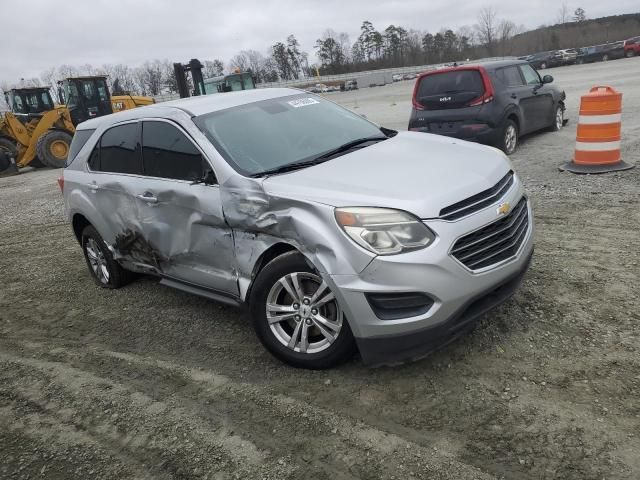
x=338, y=234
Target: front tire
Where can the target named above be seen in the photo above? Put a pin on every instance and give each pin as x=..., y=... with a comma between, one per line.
x=53, y=148
x=605, y=58
x=297, y=317
x=105, y=271
x=509, y=137
x=9, y=147
x=558, y=120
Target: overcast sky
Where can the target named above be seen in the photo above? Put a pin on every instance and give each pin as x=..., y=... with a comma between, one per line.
x=38, y=34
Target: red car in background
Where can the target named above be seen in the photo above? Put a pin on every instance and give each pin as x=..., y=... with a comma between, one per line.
x=632, y=47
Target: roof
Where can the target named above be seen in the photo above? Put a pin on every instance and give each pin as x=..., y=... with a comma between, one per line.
x=86, y=77
x=213, y=103
x=30, y=89
x=493, y=64
x=194, y=106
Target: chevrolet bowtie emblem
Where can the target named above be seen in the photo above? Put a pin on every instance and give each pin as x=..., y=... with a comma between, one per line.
x=504, y=208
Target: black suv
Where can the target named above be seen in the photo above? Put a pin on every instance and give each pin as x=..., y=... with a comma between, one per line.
x=544, y=60
x=600, y=53
x=493, y=103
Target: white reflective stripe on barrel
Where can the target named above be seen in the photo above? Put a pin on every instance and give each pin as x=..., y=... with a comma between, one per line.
x=597, y=146
x=599, y=119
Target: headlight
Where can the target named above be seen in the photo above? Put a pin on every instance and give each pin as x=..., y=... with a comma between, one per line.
x=382, y=230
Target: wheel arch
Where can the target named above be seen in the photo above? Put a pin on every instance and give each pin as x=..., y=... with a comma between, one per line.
x=271, y=253
x=79, y=222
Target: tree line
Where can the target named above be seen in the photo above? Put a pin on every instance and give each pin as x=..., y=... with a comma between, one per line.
x=393, y=46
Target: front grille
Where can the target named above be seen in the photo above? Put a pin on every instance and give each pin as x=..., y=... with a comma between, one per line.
x=496, y=242
x=478, y=201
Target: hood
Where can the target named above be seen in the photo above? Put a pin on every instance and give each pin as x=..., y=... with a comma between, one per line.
x=420, y=173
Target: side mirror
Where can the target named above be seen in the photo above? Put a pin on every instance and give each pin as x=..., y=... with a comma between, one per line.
x=547, y=79
x=209, y=177
x=206, y=177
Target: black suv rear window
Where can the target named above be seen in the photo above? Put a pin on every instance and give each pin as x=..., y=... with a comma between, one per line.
x=450, y=89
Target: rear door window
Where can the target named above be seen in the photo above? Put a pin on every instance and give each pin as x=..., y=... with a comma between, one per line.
x=453, y=89
x=119, y=150
x=510, y=76
x=169, y=153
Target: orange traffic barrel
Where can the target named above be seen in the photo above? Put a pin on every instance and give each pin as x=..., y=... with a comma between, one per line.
x=598, y=137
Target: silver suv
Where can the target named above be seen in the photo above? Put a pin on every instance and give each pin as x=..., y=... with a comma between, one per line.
x=337, y=233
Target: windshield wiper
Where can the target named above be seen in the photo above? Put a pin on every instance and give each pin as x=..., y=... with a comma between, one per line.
x=320, y=158
x=348, y=146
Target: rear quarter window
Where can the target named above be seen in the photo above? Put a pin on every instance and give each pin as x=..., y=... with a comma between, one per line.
x=79, y=140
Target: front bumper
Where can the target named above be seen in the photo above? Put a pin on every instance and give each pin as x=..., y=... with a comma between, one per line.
x=460, y=295
x=396, y=349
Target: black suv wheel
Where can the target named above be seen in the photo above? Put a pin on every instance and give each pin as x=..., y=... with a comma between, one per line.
x=509, y=138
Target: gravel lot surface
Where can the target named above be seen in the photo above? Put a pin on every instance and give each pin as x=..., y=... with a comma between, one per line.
x=151, y=383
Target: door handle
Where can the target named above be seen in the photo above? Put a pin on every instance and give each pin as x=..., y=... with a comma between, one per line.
x=93, y=186
x=514, y=96
x=147, y=197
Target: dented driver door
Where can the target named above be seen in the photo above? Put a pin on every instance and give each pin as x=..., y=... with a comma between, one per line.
x=180, y=212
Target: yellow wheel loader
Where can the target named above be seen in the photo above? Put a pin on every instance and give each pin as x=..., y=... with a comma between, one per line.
x=34, y=132
x=125, y=102
x=38, y=133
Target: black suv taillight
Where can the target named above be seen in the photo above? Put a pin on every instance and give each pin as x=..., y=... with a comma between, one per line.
x=487, y=96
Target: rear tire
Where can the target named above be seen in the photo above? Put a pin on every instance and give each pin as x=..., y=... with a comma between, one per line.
x=53, y=148
x=297, y=339
x=509, y=137
x=605, y=58
x=105, y=271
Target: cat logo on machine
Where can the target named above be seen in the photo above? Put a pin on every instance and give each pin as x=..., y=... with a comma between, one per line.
x=503, y=209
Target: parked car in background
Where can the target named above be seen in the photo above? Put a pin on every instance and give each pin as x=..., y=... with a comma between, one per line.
x=394, y=248
x=493, y=103
x=350, y=85
x=567, y=56
x=632, y=47
x=600, y=53
x=396, y=77
x=544, y=60
x=409, y=76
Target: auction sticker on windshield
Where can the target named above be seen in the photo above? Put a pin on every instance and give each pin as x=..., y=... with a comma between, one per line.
x=302, y=102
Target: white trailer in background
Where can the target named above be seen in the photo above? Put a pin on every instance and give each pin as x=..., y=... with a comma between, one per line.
x=374, y=79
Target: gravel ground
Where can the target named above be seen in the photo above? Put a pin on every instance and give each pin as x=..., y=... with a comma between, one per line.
x=151, y=383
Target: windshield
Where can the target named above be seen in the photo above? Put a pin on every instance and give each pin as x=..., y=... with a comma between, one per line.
x=270, y=134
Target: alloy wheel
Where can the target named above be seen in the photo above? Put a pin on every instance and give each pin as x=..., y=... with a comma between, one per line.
x=510, y=138
x=559, y=118
x=303, y=313
x=97, y=261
